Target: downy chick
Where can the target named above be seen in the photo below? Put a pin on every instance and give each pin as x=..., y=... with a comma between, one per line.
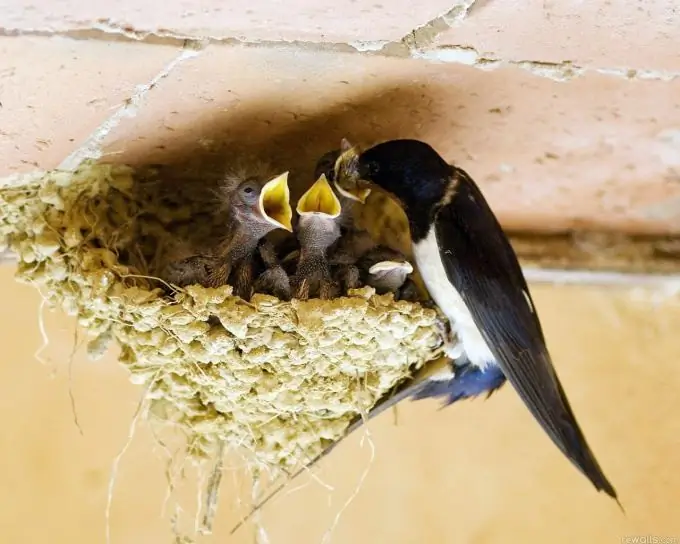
x=181, y=263
x=385, y=269
x=353, y=242
x=274, y=280
x=317, y=229
x=255, y=207
x=193, y=270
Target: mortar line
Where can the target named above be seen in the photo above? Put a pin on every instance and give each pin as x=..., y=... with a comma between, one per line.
x=413, y=45
x=557, y=276
x=556, y=71
x=92, y=147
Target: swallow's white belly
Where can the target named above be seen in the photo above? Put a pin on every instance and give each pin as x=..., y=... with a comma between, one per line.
x=426, y=253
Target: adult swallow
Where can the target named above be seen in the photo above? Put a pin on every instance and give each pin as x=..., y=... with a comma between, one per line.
x=473, y=275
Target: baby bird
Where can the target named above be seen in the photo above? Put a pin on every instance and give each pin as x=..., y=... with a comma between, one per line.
x=385, y=269
x=274, y=280
x=318, y=228
x=254, y=208
x=353, y=241
x=181, y=264
x=188, y=271
x=326, y=166
x=350, y=189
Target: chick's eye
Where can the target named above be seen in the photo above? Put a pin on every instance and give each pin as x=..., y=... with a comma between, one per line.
x=249, y=190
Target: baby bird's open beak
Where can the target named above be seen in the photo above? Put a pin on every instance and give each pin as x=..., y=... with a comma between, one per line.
x=389, y=266
x=274, y=202
x=319, y=199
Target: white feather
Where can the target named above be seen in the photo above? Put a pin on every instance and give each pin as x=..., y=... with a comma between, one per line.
x=428, y=259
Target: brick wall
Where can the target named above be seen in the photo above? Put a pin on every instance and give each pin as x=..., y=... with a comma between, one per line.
x=566, y=113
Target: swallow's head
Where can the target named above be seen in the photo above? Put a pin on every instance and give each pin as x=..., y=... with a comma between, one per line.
x=410, y=170
x=267, y=203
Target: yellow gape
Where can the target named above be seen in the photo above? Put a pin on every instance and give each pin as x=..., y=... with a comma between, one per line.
x=274, y=202
x=319, y=199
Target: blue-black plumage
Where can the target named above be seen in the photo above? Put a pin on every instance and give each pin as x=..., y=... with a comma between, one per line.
x=474, y=276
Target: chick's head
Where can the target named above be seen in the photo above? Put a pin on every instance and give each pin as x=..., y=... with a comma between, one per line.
x=262, y=203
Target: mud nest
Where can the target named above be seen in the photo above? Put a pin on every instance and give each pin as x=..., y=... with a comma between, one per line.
x=276, y=380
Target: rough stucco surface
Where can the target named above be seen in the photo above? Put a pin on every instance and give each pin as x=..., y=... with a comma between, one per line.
x=478, y=472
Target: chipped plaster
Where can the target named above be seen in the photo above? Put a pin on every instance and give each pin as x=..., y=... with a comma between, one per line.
x=416, y=44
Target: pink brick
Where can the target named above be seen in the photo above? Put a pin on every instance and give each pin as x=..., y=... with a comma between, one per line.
x=55, y=92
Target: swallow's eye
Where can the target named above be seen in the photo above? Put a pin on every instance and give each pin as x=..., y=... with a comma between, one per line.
x=249, y=191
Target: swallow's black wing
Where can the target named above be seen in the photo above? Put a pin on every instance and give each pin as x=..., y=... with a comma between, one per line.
x=484, y=269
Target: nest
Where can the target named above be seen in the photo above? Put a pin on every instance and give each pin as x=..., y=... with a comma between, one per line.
x=277, y=381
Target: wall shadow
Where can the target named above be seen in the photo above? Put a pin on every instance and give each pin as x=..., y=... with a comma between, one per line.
x=190, y=163
x=288, y=141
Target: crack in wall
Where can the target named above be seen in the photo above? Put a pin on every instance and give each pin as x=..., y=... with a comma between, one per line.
x=416, y=44
x=557, y=71
x=425, y=35
x=92, y=147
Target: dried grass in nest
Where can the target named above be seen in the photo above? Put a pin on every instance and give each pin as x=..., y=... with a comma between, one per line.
x=276, y=380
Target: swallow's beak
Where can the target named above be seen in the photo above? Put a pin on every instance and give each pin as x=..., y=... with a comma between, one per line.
x=274, y=202
x=391, y=266
x=319, y=199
